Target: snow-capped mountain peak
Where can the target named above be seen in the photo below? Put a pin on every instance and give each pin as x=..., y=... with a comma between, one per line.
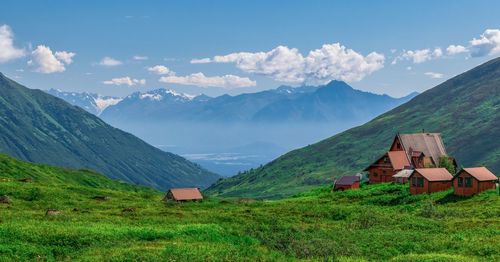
x=92, y=103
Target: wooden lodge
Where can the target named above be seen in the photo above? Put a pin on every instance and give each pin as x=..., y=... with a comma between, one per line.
x=407, y=151
x=470, y=181
x=346, y=182
x=183, y=195
x=430, y=180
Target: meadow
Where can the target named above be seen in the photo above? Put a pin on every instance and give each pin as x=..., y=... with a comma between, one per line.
x=376, y=223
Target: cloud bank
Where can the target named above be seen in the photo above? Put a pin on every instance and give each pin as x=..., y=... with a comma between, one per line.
x=8, y=51
x=161, y=70
x=487, y=44
x=199, y=79
x=330, y=62
x=43, y=60
x=126, y=80
x=109, y=62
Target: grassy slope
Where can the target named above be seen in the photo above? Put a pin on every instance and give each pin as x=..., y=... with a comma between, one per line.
x=465, y=109
x=38, y=127
x=379, y=222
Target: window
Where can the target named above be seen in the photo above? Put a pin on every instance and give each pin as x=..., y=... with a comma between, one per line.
x=468, y=182
x=383, y=172
x=420, y=182
x=414, y=181
x=417, y=181
x=375, y=174
x=460, y=182
x=398, y=145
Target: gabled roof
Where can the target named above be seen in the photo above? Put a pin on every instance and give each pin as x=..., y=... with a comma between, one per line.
x=430, y=144
x=404, y=173
x=186, y=194
x=480, y=173
x=347, y=180
x=399, y=160
x=434, y=174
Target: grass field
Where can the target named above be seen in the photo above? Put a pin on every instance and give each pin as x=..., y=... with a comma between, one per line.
x=378, y=222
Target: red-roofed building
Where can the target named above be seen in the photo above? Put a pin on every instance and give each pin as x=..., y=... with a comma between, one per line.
x=429, y=180
x=183, y=194
x=407, y=151
x=470, y=181
x=346, y=182
x=388, y=165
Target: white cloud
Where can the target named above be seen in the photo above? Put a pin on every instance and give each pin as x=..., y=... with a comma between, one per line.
x=201, y=61
x=44, y=61
x=125, y=81
x=419, y=56
x=456, y=49
x=434, y=75
x=199, y=79
x=161, y=70
x=65, y=57
x=108, y=61
x=139, y=57
x=331, y=61
x=437, y=53
x=8, y=51
x=487, y=44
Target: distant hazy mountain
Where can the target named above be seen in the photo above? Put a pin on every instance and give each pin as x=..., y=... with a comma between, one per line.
x=227, y=134
x=334, y=102
x=93, y=103
x=39, y=127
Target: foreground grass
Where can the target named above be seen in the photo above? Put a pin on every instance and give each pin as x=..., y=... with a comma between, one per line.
x=378, y=222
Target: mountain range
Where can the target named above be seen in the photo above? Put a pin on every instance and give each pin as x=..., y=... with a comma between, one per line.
x=39, y=127
x=465, y=109
x=334, y=102
x=93, y=103
x=228, y=134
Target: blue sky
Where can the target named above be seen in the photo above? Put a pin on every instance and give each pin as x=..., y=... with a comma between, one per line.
x=118, y=47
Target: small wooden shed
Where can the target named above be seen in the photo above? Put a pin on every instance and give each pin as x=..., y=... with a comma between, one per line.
x=470, y=181
x=346, y=182
x=183, y=194
x=429, y=180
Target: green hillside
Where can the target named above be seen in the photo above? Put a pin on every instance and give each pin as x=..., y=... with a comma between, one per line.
x=377, y=223
x=465, y=109
x=38, y=127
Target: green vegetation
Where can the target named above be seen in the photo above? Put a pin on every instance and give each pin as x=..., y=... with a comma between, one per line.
x=38, y=127
x=465, y=109
x=378, y=222
x=444, y=161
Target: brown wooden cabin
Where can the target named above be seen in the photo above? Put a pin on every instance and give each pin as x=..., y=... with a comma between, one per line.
x=407, y=151
x=470, y=181
x=429, y=180
x=346, y=182
x=388, y=165
x=183, y=194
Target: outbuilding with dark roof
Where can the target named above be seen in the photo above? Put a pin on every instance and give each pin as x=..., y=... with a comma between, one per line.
x=470, y=181
x=346, y=182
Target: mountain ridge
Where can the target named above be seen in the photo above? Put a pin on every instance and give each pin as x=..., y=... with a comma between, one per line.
x=268, y=105
x=38, y=127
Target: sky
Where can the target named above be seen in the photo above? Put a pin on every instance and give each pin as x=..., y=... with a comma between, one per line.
x=232, y=47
